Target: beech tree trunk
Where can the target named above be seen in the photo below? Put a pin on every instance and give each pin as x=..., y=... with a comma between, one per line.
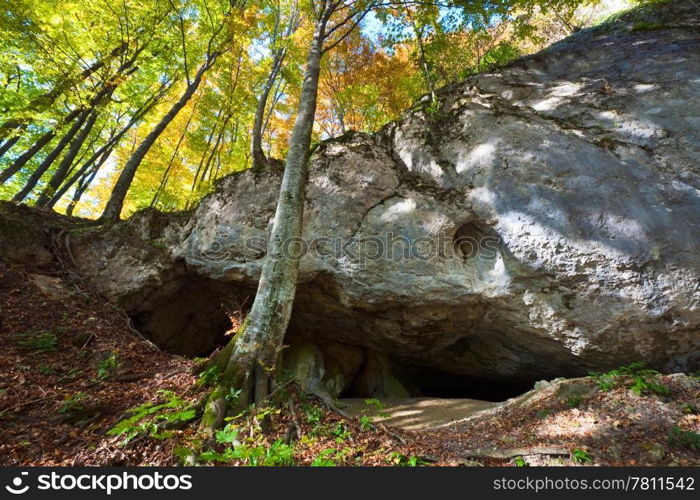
x=63, y=168
x=104, y=151
x=115, y=204
x=6, y=145
x=106, y=90
x=50, y=158
x=256, y=150
x=247, y=359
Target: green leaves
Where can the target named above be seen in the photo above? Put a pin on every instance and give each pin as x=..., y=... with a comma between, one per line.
x=581, y=456
x=639, y=379
x=150, y=419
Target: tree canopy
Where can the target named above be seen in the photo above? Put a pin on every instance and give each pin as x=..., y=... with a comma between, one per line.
x=136, y=104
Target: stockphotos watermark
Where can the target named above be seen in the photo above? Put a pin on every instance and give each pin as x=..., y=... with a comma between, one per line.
x=359, y=251
x=102, y=483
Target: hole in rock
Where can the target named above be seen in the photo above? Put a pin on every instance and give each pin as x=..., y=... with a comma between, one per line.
x=191, y=316
x=472, y=240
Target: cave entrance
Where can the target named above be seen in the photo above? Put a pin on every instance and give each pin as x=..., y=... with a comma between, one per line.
x=193, y=316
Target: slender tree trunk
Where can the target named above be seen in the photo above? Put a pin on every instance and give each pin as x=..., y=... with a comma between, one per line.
x=116, y=201
x=106, y=89
x=27, y=155
x=256, y=150
x=6, y=145
x=62, y=171
x=85, y=181
x=256, y=346
x=109, y=145
x=166, y=174
x=50, y=158
x=215, y=149
x=204, y=154
x=425, y=69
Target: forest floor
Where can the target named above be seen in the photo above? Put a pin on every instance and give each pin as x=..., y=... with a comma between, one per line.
x=72, y=369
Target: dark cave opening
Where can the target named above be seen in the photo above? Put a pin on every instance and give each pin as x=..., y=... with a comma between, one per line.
x=194, y=316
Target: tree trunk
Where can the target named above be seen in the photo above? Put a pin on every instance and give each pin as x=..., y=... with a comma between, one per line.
x=106, y=89
x=50, y=158
x=206, y=150
x=62, y=171
x=28, y=155
x=259, y=341
x=116, y=201
x=166, y=174
x=108, y=147
x=256, y=150
x=215, y=149
x=6, y=145
x=85, y=181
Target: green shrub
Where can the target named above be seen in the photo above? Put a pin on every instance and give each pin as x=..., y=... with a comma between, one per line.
x=312, y=413
x=574, y=401
x=252, y=452
x=150, y=419
x=401, y=460
x=108, y=366
x=366, y=423
x=330, y=457
x=75, y=403
x=684, y=439
x=581, y=456
x=639, y=379
x=209, y=376
x=37, y=341
x=341, y=432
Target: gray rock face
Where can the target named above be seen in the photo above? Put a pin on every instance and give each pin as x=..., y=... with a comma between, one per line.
x=544, y=221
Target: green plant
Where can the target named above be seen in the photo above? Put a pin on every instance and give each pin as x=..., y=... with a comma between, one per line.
x=574, y=401
x=366, y=423
x=252, y=452
x=150, y=419
x=233, y=395
x=312, y=413
x=520, y=462
x=373, y=402
x=74, y=404
x=581, y=456
x=689, y=408
x=640, y=380
x=37, y=341
x=108, y=366
x=46, y=369
x=401, y=460
x=543, y=413
x=327, y=458
x=72, y=374
x=341, y=432
x=684, y=439
x=209, y=376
